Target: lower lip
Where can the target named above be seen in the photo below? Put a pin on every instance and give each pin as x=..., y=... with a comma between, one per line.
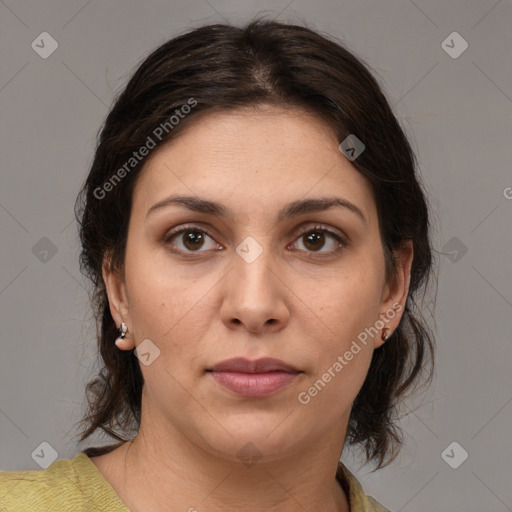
x=254, y=384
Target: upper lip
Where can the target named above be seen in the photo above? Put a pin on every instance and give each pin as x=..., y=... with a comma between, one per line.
x=243, y=365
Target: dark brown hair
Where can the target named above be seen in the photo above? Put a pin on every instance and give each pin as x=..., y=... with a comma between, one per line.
x=225, y=67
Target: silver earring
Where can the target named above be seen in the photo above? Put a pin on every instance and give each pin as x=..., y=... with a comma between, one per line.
x=123, y=330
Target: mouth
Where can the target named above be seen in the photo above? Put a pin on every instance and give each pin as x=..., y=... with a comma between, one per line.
x=263, y=365
x=254, y=379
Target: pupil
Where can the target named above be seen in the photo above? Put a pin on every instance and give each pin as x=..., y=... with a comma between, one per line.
x=194, y=238
x=314, y=238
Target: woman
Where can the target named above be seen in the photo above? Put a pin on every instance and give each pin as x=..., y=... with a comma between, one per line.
x=257, y=236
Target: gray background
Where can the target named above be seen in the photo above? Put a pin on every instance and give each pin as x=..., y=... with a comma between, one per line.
x=458, y=112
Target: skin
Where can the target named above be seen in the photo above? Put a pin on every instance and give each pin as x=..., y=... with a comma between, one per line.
x=299, y=302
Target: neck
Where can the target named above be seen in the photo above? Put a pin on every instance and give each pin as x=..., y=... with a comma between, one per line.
x=164, y=475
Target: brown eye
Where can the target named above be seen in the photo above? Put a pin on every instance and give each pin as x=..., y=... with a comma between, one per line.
x=318, y=238
x=190, y=239
x=314, y=240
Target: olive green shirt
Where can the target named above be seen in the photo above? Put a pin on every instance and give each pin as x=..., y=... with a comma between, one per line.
x=78, y=485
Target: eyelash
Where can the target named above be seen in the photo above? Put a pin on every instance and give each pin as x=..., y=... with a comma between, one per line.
x=320, y=228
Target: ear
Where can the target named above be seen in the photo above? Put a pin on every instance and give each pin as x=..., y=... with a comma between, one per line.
x=394, y=293
x=118, y=300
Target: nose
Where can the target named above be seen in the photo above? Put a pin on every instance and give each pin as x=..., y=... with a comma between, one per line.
x=255, y=298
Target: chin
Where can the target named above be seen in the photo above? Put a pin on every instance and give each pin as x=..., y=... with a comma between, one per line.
x=255, y=440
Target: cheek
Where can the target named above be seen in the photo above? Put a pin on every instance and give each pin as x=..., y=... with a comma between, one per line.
x=345, y=307
x=342, y=357
x=166, y=306
x=343, y=302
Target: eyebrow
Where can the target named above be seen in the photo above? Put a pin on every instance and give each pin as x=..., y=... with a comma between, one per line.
x=295, y=208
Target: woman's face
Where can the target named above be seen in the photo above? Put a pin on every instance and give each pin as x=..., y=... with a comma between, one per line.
x=275, y=275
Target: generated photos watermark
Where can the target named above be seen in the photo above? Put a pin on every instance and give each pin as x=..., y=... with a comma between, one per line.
x=305, y=397
x=137, y=156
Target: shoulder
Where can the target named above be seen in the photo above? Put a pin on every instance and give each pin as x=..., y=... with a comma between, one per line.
x=375, y=506
x=359, y=501
x=65, y=485
x=38, y=490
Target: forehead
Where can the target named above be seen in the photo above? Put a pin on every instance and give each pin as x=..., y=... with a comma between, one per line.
x=267, y=156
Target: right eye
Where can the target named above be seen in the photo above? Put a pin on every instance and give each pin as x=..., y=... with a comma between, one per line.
x=190, y=239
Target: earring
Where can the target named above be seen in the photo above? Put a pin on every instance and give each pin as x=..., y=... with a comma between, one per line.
x=385, y=334
x=123, y=330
